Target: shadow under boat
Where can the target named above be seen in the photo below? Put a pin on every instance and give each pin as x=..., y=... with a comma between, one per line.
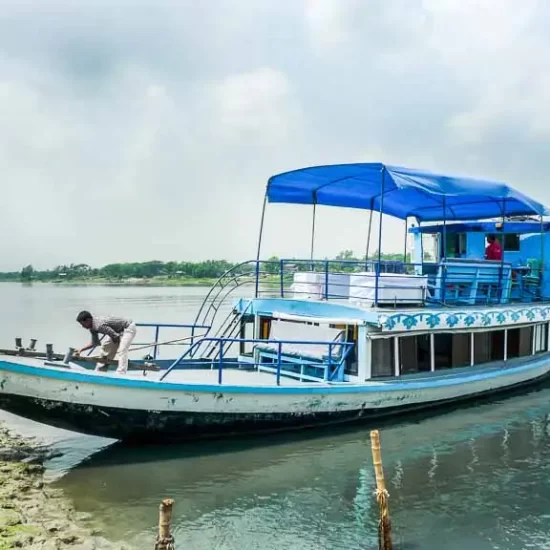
x=119, y=452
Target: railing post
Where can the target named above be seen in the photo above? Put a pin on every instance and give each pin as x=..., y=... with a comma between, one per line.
x=326, y=279
x=329, y=363
x=376, y=281
x=281, y=274
x=220, y=363
x=155, y=349
x=279, y=345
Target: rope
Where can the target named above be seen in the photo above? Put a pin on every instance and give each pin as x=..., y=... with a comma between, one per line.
x=384, y=525
x=166, y=543
x=154, y=344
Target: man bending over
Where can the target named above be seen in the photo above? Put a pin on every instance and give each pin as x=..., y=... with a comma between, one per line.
x=119, y=335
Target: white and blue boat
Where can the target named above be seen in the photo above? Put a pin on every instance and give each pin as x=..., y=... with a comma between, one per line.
x=322, y=342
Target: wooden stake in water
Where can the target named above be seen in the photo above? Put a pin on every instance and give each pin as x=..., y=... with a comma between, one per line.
x=384, y=524
x=165, y=540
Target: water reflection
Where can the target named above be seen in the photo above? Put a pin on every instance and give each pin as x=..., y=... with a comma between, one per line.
x=475, y=476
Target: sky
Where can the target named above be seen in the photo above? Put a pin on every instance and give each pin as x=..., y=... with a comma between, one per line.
x=140, y=130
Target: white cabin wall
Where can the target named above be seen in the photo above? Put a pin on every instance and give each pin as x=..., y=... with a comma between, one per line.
x=364, y=354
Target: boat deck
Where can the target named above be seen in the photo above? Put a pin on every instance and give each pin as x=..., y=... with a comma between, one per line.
x=232, y=376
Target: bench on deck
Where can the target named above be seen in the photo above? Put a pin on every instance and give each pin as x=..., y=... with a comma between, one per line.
x=313, y=361
x=465, y=281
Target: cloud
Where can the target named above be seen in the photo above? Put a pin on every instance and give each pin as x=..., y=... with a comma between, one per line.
x=256, y=104
x=139, y=130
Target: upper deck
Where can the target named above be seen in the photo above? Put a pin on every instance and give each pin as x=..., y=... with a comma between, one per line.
x=457, y=276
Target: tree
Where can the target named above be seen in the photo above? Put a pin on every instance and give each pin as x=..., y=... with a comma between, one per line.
x=27, y=273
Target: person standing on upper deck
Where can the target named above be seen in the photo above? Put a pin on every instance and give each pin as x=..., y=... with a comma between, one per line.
x=119, y=335
x=493, y=250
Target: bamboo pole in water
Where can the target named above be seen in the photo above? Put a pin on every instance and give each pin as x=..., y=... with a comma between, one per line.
x=165, y=540
x=384, y=524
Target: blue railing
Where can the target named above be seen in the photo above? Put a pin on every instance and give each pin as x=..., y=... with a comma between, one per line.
x=336, y=361
x=453, y=281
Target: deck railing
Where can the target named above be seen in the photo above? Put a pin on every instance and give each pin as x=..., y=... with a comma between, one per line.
x=388, y=282
x=194, y=332
x=332, y=367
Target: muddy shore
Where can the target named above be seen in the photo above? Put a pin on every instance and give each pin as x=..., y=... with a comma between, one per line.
x=33, y=515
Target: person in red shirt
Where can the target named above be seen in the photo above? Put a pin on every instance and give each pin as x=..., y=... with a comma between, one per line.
x=493, y=250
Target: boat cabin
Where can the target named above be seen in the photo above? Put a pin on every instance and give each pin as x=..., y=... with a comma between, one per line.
x=443, y=308
x=461, y=247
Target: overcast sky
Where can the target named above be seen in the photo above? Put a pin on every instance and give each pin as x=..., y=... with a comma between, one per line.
x=138, y=130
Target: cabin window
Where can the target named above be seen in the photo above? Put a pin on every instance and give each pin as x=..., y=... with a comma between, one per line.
x=541, y=338
x=382, y=357
x=265, y=327
x=455, y=246
x=451, y=350
x=430, y=246
x=519, y=342
x=510, y=242
x=488, y=346
x=414, y=354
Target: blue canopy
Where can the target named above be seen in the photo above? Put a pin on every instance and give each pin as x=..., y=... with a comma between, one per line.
x=404, y=192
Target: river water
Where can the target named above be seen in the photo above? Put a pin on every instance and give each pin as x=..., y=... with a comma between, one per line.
x=477, y=477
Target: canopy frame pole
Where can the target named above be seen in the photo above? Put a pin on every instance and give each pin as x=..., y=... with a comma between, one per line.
x=405, y=243
x=369, y=234
x=257, y=285
x=313, y=230
x=541, y=271
x=444, y=248
x=377, y=271
x=419, y=223
x=503, y=298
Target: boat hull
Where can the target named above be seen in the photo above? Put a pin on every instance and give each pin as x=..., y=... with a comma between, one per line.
x=141, y=411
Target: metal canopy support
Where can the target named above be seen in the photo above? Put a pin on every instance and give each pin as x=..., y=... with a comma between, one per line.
x=405, y=244
x=377, y=271
x=368, y=234
x=542, y=269
x=260, y=246
x=313, y=232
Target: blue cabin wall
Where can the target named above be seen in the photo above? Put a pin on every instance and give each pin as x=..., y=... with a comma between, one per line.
x=475, y=245
x=532, y=248
x=472, y=243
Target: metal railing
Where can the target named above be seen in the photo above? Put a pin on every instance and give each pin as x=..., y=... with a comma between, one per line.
x=450, y=282
x=336, y=361
x=281, y=278
x=179, y=341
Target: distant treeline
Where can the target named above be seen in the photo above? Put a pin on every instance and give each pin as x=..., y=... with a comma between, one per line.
x=209, y=269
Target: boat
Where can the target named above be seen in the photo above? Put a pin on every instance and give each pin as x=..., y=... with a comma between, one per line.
x=321, y=342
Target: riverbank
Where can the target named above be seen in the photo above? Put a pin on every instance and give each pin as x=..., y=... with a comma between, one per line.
x=33, y=515
x=153, y=281
x=83, y=281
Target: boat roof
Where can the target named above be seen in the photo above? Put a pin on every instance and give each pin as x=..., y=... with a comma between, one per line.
x=401, y=192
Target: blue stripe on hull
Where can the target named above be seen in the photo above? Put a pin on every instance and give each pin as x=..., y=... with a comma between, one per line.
x=430, y=381
x=139, y=426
